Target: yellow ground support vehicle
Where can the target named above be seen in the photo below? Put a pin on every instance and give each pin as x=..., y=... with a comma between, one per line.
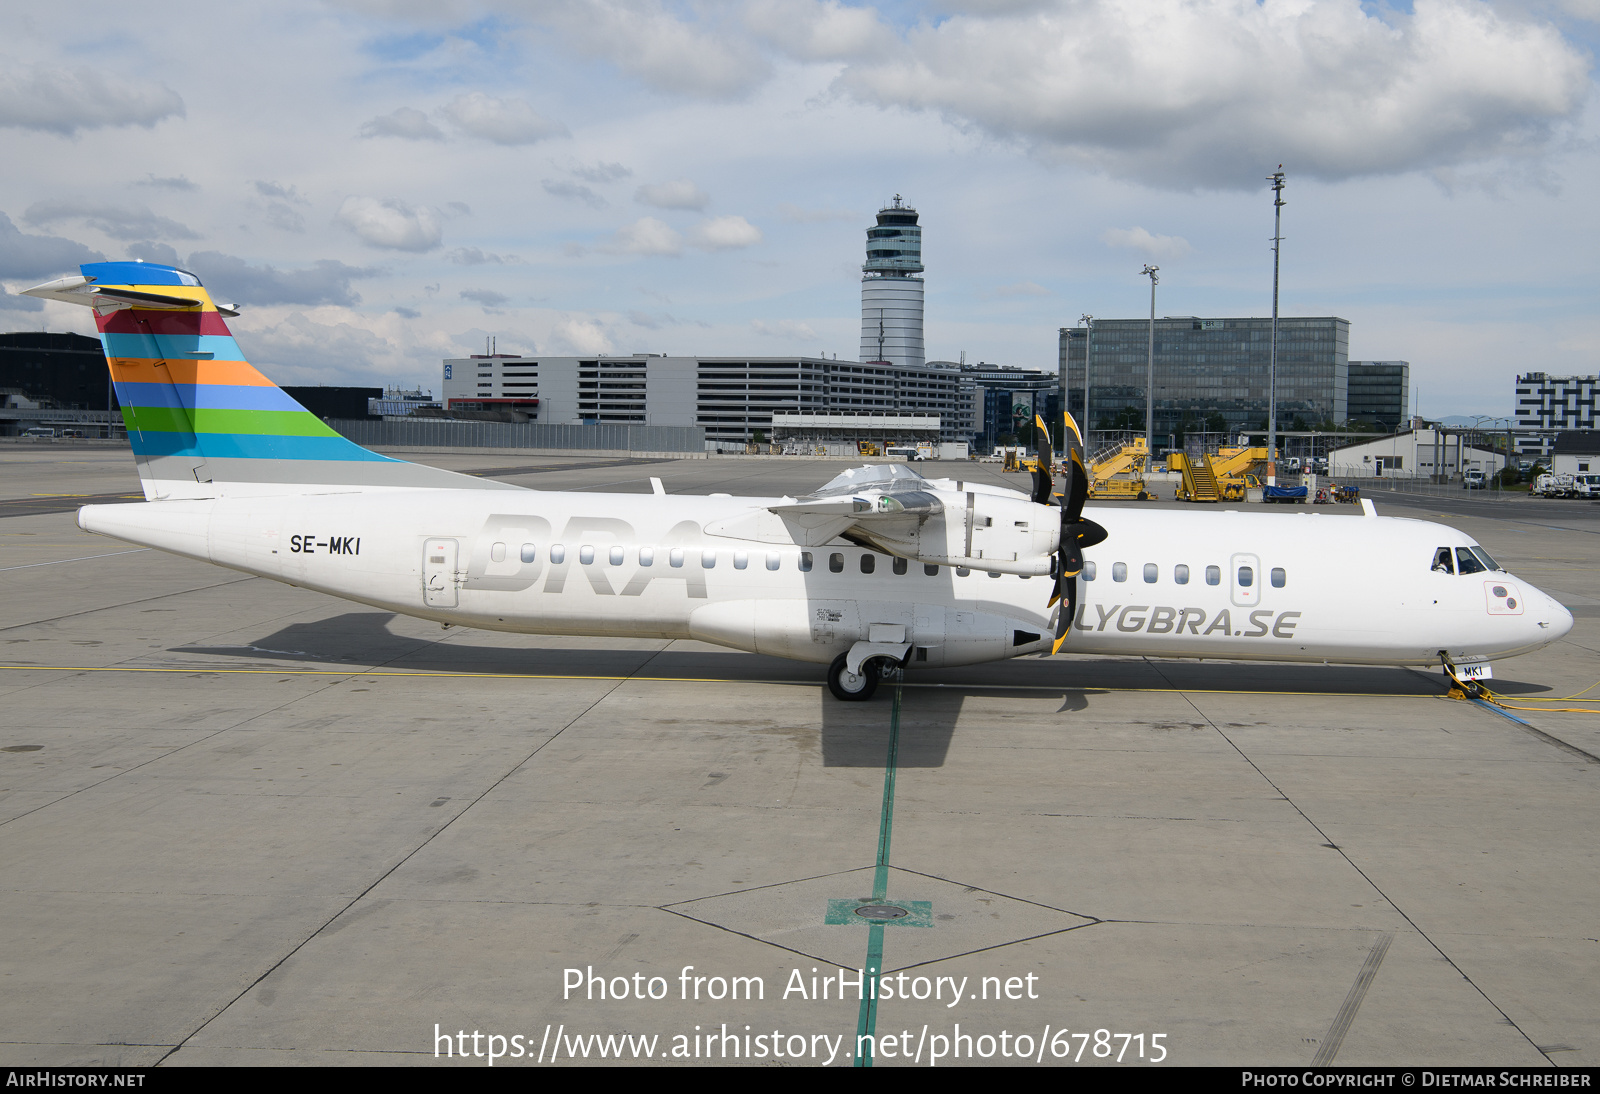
x=1223, y=477
x=1118, y=472
x=867, y=448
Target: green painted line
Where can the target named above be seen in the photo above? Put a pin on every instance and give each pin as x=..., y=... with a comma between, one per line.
x=867, y=1020
x=269, y=423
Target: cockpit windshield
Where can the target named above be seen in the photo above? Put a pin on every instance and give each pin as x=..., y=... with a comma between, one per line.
x=1468, y=560
x=879, y=476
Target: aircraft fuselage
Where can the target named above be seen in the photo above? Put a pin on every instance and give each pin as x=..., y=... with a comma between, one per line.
x=1226, y=585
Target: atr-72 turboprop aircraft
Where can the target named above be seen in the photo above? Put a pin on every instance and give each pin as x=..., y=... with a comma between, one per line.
x=879, y=566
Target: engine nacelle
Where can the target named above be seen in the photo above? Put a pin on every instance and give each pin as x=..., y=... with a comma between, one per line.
x=980, y=531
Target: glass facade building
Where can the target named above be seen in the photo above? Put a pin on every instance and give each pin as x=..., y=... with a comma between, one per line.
x=1380, y=394
x=1207, y=366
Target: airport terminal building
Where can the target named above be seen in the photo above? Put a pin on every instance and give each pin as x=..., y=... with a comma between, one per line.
x=733, y=398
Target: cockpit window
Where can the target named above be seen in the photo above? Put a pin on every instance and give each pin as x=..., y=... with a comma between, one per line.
x=1442, y=563
x=1483, y=557
x=1468, y=563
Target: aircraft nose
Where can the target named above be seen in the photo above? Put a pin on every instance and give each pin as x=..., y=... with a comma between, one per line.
x=1554, y=620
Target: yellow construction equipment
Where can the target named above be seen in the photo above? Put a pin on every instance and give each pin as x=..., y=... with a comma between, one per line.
x=867, y=448
x=1118, y=472
x=1223, y=477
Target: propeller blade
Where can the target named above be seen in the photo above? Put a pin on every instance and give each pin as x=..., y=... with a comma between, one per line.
x=1077, y=491
x=1042, y=482
x=1076, y=533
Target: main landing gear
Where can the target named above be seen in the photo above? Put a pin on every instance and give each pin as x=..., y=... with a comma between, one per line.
x=852, y=686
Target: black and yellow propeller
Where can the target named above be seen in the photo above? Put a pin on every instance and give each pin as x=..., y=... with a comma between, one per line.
x=1076, y=532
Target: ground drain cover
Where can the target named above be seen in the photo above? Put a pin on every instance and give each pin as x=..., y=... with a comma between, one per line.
x=881, y=911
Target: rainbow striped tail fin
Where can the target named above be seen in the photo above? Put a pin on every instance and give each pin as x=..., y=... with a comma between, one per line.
x=202, y=421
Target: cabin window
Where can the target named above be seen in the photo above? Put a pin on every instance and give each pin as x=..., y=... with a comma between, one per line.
x=1278, y=577
x=1213, y=575
x=1467, y=562
x=616, y=556
x=585, y=555
x=1088, y=571
x=773, y=559
x=869, y=562
x=962, y=571
x=1247, y=577
x=708, y=560
x=558, y=553
x=1180, y=574
x=530, y=553
x=930, y=569
x=1442, y=563
x=676, y=556
x=741, y=559
x=647, y=556
x=805, y=562
x=900, y=566
x=836, y=563
x=1151, y=573
x=497, y=553
x=1119, y=571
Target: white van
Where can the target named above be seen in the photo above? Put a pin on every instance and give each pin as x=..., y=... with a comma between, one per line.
x=1588, y=485
x=39, y=431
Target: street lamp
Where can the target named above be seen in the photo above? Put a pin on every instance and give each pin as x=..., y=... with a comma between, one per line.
x=1478, y=422
x=1150, y=367
x=1276, y=178
x=1088, y=343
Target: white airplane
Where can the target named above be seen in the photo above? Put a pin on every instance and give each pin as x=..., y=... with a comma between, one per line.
x=878, y=567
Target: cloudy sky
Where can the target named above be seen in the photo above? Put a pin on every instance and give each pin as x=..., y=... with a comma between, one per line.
x=383, y=184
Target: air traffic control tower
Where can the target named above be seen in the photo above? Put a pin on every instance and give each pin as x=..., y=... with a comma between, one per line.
x=891, y=288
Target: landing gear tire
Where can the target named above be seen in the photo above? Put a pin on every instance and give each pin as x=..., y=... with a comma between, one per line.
x=852, y=687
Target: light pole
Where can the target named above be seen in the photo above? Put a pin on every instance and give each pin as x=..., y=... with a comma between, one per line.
x=1150, y=368
x=1088, y=344
x=1477, y=423
x=1276, y=178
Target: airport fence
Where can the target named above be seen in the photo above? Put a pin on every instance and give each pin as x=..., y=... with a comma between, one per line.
x=1373, y=484
x=444, y=433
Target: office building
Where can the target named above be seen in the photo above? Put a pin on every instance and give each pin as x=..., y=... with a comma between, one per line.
x=1207, y=367
x=1380, y=394
x=1551, y=404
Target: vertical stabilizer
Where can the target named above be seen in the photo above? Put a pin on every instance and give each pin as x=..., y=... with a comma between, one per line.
x=203, y=423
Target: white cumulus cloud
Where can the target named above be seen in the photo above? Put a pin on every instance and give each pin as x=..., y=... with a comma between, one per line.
x=59, y=100
x=817, y=30
x=678, y=194
x=407, y=123
x=391, y=223
x=724, y=234
x=1216, y=93
x=647, y=236
x=580, y=335
x=1138, y=239
x=502, y=121
x=645, y=39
